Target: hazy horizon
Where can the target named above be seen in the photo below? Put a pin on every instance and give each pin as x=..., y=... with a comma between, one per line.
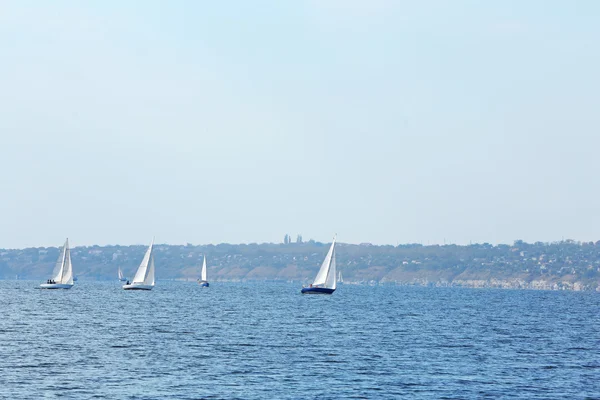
x=305, y=240
x=384, y=122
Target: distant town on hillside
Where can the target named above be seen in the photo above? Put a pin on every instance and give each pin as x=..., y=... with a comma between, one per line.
x=564, y=265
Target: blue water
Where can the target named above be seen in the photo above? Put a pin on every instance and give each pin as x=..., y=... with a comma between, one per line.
x=265, y=340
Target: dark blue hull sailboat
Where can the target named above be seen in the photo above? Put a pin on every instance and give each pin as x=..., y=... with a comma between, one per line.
x=325, y=282
x=316, y=290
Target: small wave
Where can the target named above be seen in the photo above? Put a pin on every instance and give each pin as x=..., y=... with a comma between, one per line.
x=456, y=346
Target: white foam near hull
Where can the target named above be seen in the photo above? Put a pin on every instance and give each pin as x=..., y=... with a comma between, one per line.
x=56, y=285
x=138, y=287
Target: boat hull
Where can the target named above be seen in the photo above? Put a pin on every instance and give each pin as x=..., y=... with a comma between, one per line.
x=203, y=283
x=316, y=290
x=56, y=285
x=137, y=287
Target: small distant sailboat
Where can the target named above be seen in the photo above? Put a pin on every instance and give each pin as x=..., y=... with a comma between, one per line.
x=325, y=282
x=144, y=276
x=62, y=276
x=202, y=281
x=120, y=275
x=340, y=278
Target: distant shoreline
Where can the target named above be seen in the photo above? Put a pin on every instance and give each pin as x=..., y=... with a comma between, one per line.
x=565, y=265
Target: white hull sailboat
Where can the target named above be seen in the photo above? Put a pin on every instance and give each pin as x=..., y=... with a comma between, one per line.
x=120, y=275
x=144, y=276
x=62, y=276
x=202, y=281
x=325, y=281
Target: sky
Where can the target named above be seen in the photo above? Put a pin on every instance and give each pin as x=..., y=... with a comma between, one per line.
x=386, y=122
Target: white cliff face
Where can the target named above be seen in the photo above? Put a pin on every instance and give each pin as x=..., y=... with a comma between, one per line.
x=497, y=284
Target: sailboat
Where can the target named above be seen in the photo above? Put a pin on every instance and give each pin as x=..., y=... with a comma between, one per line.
x=62, y=276
x=325, y=282
x=144, y=276
x=340, y=278
x=202, y=281
x=120, y=275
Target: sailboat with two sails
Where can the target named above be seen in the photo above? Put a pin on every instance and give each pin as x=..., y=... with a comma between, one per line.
x=202, y=281
x=144, y=276
x=62, y=275
x=325, y=281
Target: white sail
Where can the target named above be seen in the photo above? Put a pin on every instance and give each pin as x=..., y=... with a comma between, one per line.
x=331, y=282
x=67, y=275
x=150, y=277
x=340, y=278
x=120, y=274
x=58, y=268
x=142, y=271
x=203, y=275
x=326, y=275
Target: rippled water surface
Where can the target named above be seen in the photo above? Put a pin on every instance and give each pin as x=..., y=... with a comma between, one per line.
x=266, y=340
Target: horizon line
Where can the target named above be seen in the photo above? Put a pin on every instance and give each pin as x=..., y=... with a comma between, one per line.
x=398, y=244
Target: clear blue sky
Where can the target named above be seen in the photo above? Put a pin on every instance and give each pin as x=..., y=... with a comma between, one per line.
x=240, y=121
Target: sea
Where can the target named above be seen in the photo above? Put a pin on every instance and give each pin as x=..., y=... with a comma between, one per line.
x=264, y=340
